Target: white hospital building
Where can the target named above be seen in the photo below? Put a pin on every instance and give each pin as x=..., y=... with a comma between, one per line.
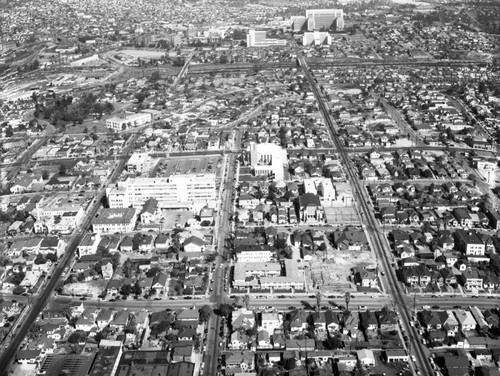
x=176, y=191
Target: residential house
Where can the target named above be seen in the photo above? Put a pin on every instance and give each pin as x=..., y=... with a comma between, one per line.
x=369, y=320
x=107, y=270
x=298, y=321
x=194, y=244
x=465, y=320
x=270, y=321
x=350, y=323
x=183, y=353
x=431, y=320
x=387, y=320
x=242, y=319
x=449, y=322
x=239, y=340
x=242, y=360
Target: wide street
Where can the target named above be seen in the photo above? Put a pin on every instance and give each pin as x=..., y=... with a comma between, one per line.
x=222, y=232
x=22, y=329
x=377, y=240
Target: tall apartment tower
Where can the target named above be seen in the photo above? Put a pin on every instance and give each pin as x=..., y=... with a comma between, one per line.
x=324, y=19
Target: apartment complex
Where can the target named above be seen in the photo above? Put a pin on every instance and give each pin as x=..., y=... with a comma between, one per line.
x=177, y=191
x=115, y=220
x=124, y=122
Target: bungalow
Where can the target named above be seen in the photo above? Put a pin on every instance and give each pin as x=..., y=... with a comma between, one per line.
x=183, y=353
x=242, y=360
x=397, y=355
x=366, y=357
x=194, y=244
x=160, y=283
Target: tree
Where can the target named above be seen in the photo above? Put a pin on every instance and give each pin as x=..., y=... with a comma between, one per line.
x=290, y=364
x=45, y=174
x=77, y=337
x=359, y=370
x=152, y=272
x=136, y=289
x=347, y=300
x=205, y=313
x=246, y=301
x=40, y=259
x=9, y=132
x=155, y=76
x=62, y=170
x=223, y=310
x=18, y=290
x=318, y=300
x=126, y=290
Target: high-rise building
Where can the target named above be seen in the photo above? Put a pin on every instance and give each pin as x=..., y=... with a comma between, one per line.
x=298, y=23
x=258, y=39
x=317, y=38
x=324, y=19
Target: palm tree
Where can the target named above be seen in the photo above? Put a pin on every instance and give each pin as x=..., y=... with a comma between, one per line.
x=347, y=300
x=246, y=301
x=318, y=300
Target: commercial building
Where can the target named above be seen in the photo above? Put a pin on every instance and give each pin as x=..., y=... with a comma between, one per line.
x=115, y=220
x=177, y=191
x=269, y=275
x=128, y=121
x=259, y=39
x=268, y=159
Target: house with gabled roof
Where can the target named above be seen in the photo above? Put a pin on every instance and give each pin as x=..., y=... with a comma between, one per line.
x=104, y=317
x=194, y=244
x=242, y=319
x=430, y=320
x=350, y=238
x=298, y=321
x=160, y=283
x=449, y=322
x=369, y=320
x=239, y=340
x=491, y=318
x=350, y=323
x=465, y=320
x=149, y=211
x=387, y=320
